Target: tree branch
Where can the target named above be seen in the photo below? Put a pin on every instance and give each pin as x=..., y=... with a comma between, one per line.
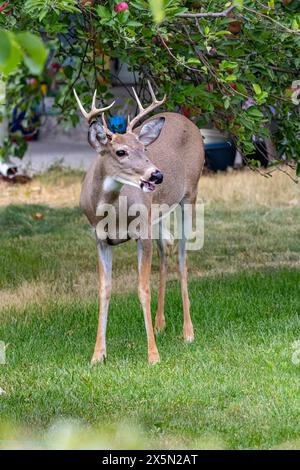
x=78, y=74
x=175, y=58
x=224, y=13
x=219, y=14
x=258, y=13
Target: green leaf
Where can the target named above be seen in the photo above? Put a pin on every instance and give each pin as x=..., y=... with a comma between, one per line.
x=193, y=60
x=42, y=15
x=104, y=12
x=226, y=101
x=239, y=4
x=34, y=51
x=123, y=17
x=223, y=33
x=226, y=64
x=255, y=163
x=298, y=169
x=181, y=10
x=231, y=78
x=14, y=57
x=255, y=113
x=5, y=47
x=241, y=89
x=68, y=71
x=256, y=88
x=157, y=10
x=295, y=25
x=2, y=92
x=134, y=24
x=139, y=5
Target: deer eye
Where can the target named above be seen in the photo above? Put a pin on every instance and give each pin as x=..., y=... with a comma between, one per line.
x=121, y=153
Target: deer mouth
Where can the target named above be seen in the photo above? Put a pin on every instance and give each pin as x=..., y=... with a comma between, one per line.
x=147, y=186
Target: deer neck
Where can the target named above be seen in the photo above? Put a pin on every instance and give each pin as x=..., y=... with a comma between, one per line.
x=108, y=188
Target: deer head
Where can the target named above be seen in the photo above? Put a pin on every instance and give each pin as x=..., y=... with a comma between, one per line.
x=124, y=156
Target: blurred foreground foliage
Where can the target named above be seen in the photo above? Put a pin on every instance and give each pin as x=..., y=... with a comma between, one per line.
x=68, y=434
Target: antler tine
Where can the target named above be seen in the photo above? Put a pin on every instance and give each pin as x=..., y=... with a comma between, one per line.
x=151, y=91
x=83, y=111
x=144, y=111
x=94, y=111
x=155, y=100
x=137, y=100
x=94, y=100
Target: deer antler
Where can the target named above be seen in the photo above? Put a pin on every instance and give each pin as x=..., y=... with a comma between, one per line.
x=94, y=111
x=144, y=111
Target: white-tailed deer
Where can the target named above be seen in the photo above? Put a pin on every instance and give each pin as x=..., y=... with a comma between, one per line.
x=167, y=150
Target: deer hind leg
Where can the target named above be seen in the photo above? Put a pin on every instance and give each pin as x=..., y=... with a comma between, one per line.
x=144, y=267
x=160, y=322
x=188, y=330
x=105, y=268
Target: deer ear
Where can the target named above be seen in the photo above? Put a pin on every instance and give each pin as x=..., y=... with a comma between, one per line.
x=151, y=130
x=97, y=136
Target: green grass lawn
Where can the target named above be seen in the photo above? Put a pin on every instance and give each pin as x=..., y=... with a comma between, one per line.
x=234, y=387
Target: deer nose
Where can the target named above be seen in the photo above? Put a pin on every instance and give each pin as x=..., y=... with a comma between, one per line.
x=156, y=177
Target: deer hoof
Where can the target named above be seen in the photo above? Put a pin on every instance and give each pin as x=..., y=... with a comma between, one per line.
x=160, y=325
x=189, y=339
x=188, y=335
x=154, y=358
x=99, y=358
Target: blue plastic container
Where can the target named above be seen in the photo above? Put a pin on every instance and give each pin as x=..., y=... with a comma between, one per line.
x=118, y=124
x=219, y=156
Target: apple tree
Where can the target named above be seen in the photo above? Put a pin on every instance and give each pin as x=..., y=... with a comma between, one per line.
x=235, y=64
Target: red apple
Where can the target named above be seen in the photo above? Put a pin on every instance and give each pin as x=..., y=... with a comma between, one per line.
x=121, y=7
x=234, y=26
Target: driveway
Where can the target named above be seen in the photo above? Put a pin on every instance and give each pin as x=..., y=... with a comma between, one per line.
x=41, y=155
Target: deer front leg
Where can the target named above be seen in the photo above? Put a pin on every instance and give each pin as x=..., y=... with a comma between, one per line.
x=144, y=267
x=160, y=322
x=188, y=330
x=105, y=268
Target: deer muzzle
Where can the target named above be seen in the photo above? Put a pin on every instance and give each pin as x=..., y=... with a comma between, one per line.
x=149, y=185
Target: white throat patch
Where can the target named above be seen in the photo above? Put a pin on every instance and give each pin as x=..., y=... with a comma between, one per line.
x=110, y=184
